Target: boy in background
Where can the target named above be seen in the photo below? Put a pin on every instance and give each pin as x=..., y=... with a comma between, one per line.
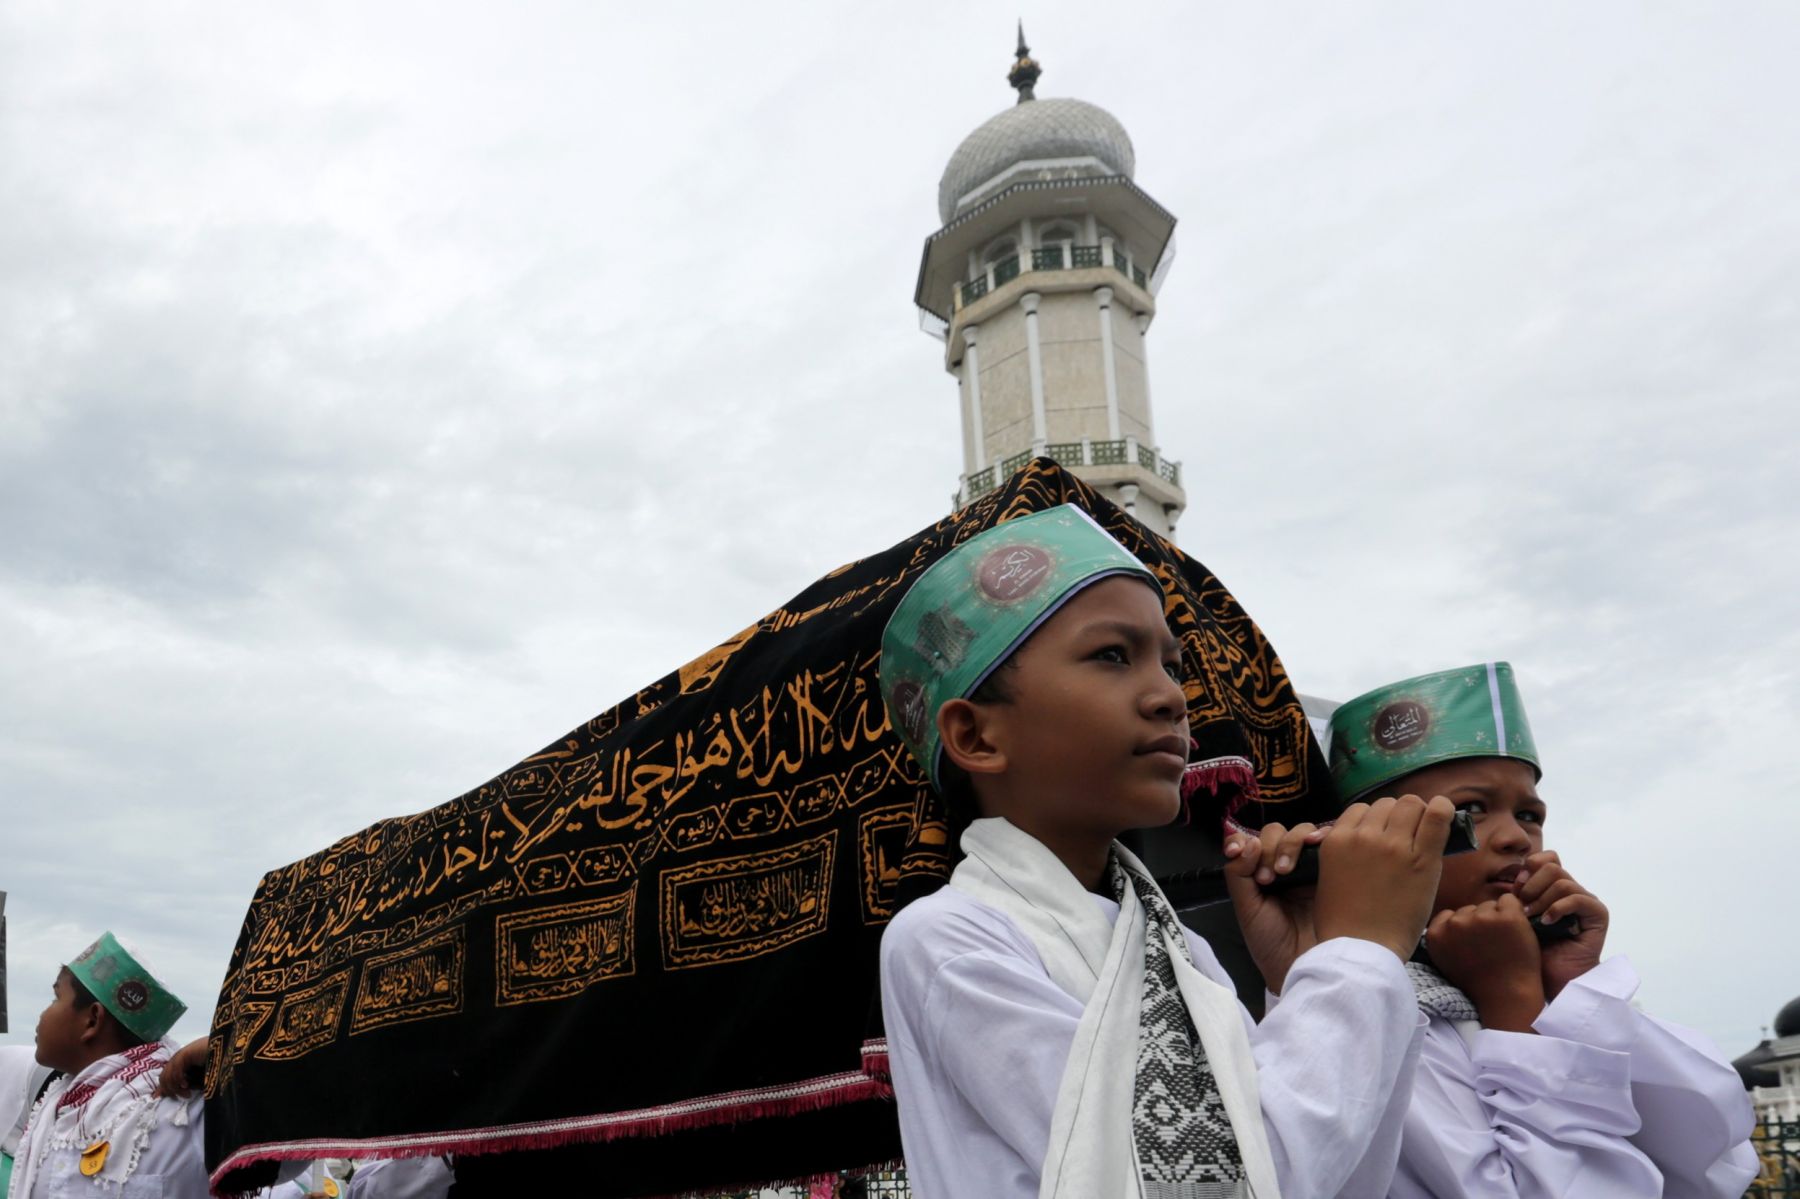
x=1052, y=1028
x=1538, y=1078
x=100, y=1128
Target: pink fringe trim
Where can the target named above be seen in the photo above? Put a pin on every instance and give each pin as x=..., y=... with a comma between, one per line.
x=1216, y=775
x=731, y=1107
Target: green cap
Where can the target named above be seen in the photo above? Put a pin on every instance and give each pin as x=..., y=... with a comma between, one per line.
x=977, y=604
x=1471, y=712
x=127, y=990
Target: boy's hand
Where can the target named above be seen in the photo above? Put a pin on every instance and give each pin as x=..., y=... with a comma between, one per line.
x=1549, y=894
x=1378, y=871
x=1489, y=951
x=185, y=1072
x=1277, y=928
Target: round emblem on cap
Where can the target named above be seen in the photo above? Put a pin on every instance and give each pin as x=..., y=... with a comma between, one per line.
x=1400, y=725
x=909, y=707
x=1012, y=572
x=132, y=995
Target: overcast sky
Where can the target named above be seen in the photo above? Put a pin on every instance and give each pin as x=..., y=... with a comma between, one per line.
x=385, y=389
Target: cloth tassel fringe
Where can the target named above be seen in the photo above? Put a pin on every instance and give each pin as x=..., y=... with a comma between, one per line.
x=871, y=1083
x=1215, y=776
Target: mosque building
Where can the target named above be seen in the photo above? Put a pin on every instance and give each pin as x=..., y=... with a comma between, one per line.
x=1771, y=1071
x=1042, y=285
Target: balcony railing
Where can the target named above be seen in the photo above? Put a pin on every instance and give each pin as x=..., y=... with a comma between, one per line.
x=1121, y=452
x=1060, y=257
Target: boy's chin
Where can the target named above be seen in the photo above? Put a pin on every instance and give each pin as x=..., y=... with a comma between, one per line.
x=1155, y=811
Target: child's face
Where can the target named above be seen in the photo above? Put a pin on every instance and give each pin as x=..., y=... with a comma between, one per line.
x=59, y=1029
x=1096, y=734
x=1501, y=793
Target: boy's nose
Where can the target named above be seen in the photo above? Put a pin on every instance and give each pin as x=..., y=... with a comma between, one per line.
x=1166, y=698
x=1505, y=832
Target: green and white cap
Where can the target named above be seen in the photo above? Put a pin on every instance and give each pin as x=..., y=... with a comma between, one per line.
x=126, y=989
x=1471, y=712
x=977, y=604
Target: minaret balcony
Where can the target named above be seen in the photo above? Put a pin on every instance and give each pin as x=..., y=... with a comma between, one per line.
x=1063, y=257
x=1123, y=460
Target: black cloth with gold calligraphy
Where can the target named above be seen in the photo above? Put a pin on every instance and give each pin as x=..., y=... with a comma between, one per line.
x=646, y=955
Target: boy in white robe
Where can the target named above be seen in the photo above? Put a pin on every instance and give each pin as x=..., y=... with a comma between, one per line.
x=22, y=1080
x=100, y=1129
x=1538, y=1078
x=372, y=1178
x=1051, y=1028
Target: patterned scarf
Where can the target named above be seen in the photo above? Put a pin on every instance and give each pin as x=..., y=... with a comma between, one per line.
x=1185, y=1145
x=113, y=1101
x=1438, y=996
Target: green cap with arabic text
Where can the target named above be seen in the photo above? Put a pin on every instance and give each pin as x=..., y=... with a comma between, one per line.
x=978, y=603
x=1470, y=712
x=125, y=988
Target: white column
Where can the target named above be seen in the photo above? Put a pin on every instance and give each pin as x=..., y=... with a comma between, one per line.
x=1107, y=364
x=1093, y=230
x=1142, y=321
x=1026, y=245
x=972, y=372
x=1039, y=427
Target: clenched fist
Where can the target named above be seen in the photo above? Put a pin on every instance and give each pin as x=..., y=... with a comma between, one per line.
x=1379, y=868
x=1549, y=893
x=1490, y=952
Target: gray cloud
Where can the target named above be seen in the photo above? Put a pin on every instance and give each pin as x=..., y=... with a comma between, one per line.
x=383, y=392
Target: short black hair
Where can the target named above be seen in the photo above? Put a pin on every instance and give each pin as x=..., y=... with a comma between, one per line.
x=954, y=784
x=84, y=997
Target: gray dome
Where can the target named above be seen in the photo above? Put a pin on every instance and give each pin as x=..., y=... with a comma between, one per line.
x=1787, y=1020
x=1057, y=128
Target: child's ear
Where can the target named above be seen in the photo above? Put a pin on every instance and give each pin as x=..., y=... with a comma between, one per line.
x=965, y=730
x=94, y=1022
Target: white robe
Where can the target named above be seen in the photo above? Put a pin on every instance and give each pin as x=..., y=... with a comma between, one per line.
x=1603, y=1101
x=978, y=1036
x=164, y=1133
x=380, y=1178
x=402, y=1178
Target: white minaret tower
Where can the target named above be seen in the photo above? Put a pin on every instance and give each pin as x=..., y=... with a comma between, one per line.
x=1042, y=285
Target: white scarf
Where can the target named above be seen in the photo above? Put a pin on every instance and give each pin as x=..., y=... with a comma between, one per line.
x=1092, y=1149
x=112, y=1100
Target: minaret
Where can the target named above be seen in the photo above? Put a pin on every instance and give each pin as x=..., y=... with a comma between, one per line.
x=1040, y=283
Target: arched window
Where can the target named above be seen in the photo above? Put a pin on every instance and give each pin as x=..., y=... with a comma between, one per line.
x=1057, y=232
x=1000, y=249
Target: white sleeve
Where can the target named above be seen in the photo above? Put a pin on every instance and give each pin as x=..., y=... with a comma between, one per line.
x=978, y=1037
x=401, y=1178
x=1695, y=1115
x=998, y=1031
x=1333, y=1066
x=174, y=1153
x=1507, y=1115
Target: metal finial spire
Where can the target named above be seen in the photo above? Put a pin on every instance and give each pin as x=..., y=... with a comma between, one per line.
x=1025, y=72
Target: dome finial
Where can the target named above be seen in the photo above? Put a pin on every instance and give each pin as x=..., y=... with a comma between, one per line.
x=1025, y=72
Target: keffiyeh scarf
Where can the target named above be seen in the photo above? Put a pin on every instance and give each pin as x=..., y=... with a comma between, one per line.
x=1159, y=1096
x=112, y=1103
x=1185, y=1146
x=1438, y=996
